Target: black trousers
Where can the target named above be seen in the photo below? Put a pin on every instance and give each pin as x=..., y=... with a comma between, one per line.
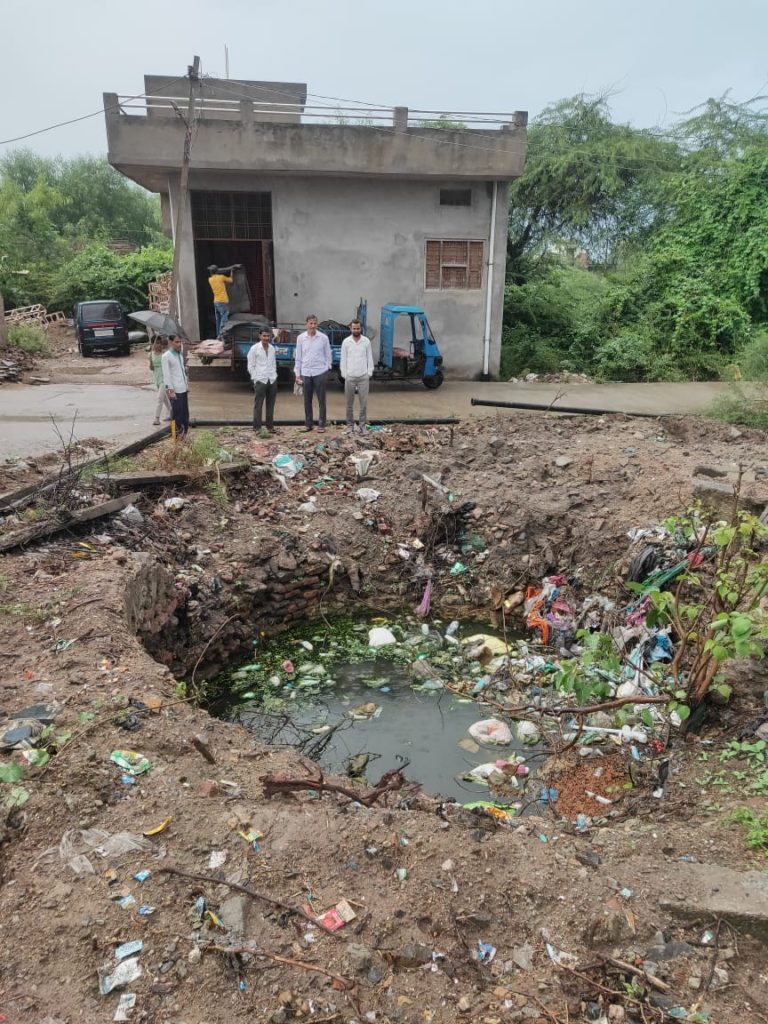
x=264, y=390
x=180, y=412
x=314, y=385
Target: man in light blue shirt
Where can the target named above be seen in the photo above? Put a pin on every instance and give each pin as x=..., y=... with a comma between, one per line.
x=313, y=361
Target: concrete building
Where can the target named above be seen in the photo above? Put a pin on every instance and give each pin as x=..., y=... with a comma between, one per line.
x=323, y=206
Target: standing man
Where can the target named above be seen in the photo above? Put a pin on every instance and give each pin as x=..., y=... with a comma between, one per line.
x=176, y=385
x=218, y=279
x=313, y=361
x=262, y=369
x=356, y=369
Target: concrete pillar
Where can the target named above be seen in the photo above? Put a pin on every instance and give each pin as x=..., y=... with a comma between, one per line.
x=246, y=111
x=166, y=215
x=187, y=284
x=400, y=118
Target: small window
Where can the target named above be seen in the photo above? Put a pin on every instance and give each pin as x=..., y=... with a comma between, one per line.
x=455, y=196
x=453, y=264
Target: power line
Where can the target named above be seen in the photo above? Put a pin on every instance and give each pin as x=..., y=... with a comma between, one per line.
x=83, y=117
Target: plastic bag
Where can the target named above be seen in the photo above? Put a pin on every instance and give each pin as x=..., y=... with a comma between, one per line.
x=380, y=636
x=288, y=465
x=491, y=730
x=368, y=495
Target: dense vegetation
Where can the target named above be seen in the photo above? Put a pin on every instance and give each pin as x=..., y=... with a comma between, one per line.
x=675, y=229
x=58, y=219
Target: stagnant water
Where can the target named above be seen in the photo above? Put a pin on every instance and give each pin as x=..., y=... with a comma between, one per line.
x=423, y=728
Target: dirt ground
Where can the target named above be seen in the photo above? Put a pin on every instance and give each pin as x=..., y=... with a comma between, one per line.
x=107, y=622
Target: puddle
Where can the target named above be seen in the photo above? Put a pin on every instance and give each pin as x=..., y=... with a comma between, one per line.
x=423, y=727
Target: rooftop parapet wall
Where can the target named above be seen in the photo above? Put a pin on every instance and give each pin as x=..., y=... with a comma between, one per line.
x=147, y=148
x=275, y=101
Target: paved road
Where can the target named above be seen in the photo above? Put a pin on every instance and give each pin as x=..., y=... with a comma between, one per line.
x=30, y=415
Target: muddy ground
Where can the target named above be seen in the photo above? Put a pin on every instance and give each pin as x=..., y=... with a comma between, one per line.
x=146, y=605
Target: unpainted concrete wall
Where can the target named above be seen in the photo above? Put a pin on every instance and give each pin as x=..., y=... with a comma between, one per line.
x=336, y=240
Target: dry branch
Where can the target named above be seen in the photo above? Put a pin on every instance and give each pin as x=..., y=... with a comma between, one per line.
x=279, y=782
x=291, y=908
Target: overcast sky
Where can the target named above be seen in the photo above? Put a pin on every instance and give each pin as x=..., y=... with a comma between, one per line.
x=658, y=57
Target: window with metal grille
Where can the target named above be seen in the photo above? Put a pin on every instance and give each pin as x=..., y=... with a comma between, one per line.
x=231, y=216
x=455, y=196
x=453, y=264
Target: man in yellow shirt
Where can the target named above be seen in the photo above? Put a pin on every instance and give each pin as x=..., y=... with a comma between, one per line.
x=218, y=279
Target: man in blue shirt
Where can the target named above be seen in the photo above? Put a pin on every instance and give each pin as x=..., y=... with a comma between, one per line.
x=313, y=361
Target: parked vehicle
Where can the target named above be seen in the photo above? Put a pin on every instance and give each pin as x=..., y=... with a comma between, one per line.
x=101, y=324
x=420, y=360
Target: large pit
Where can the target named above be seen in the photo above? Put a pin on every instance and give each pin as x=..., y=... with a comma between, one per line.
x=162, y=601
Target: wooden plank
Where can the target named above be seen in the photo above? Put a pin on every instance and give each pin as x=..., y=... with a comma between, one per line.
x=160, y=478
x=19, y=538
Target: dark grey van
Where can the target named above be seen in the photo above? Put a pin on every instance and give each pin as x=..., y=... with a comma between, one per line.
x=101, y=324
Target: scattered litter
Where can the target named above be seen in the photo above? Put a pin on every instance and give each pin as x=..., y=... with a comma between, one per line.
x=252, y=837
x=380, y=636
x=217, y=859
x=458, y=568
x=142, y=876
x=130, y=761
x=362, y=463
x=336, y=917
x=123, y=974
x=559, y=957
x=155, y=830
x=485, y=952
x=146, y=911
x=288, y=465
x=126, y=902
x=71, y=852
x=125, y=1004
x=491, y=730
x=367, y=495
x=128, y=949
x=174, y=504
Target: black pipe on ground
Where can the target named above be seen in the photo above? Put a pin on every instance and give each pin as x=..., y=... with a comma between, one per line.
x=426, y=422
x=540, y=407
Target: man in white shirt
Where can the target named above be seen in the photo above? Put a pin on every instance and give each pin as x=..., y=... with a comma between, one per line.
x=356, y=369
x=176, y=385
x=262, y=369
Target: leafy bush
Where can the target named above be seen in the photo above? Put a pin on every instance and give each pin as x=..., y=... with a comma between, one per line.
x=753, y=358
x=99, y=273
x=29, y=339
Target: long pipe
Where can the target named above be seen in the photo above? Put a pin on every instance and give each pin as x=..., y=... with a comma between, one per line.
x=489, y=287
x=415, y=422
x=541, y=407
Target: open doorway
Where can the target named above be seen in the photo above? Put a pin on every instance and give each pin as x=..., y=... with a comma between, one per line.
x=229, y=228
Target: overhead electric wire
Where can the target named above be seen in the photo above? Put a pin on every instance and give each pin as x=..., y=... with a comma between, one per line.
x=83, y=117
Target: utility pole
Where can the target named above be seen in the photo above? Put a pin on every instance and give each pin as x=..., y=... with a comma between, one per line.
x=193, y=73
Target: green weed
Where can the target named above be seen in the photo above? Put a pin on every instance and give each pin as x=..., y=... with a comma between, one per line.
x=756, y=828
x=29, y=339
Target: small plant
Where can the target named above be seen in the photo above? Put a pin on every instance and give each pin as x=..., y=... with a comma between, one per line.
x=29, y=339
x=756, y=828
x=218, y=492
x=754, y=753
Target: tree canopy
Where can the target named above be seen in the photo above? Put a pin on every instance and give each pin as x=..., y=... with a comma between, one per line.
x=54, y=212
x=674, y=225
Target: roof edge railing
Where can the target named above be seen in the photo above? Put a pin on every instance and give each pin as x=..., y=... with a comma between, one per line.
x=247, y=109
